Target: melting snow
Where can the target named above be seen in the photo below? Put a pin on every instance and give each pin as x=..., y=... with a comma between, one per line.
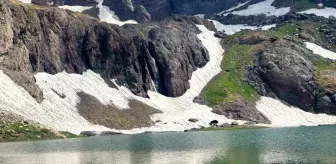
x=264, y=7
x=282, y=115
x=325, y=12
x=75, y=8
x=321, y=51
x=107, y=15
x=232, y=29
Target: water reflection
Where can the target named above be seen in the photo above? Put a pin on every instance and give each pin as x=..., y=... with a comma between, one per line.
x=237, y=155
x=295, y=145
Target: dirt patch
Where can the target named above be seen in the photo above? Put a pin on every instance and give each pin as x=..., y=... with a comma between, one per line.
x=110, y=116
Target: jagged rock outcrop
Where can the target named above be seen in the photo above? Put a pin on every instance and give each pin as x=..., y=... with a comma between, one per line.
x=53, y=40
x=160, y=9
x=282, y=70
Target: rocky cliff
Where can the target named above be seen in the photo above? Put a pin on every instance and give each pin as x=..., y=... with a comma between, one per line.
x=141, y=57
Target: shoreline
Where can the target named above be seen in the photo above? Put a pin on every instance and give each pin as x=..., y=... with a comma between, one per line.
x=204, y=129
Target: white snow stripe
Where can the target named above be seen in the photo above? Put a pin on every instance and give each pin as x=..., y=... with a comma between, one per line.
x=75, y=8
x=232, y=29
x=325, y=12
x=264, y=7
x=107, y=15
x=321, y=51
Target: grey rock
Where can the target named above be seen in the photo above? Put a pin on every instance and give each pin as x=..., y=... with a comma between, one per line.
x=282, y=71
x=241, y=110
x=234, y=123
x=162, y=52
x=199, y=100
x=193, y=120
x=89, y=133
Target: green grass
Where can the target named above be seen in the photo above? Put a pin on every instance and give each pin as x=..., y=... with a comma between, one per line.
x=19, y=131
x=287, y=29
x=240, y=127
x=229, y=85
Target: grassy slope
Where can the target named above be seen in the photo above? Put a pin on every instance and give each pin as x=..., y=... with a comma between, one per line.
x=21, y=131
x=229, y=84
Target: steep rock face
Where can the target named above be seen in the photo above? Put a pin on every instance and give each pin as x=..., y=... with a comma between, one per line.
x=52, y=40
x=282, y=70
x=6, y=40
x=175, y=69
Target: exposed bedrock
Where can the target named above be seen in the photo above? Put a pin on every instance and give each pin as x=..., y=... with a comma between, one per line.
x=160, y=9
x=241, y=109
x=141, y=57
x=282, y=69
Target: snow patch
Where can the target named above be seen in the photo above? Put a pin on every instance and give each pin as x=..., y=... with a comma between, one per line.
x=200, y=15
x=54, y=111
x=282, y=115
x=325, y=12
x=75, y=8
x=25, y=1
x=107, y=15
x=234, y=8
x=321, y=51
x=264, y=7
x=232, y=29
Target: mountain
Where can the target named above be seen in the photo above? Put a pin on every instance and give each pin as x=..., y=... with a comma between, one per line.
x=137, y=66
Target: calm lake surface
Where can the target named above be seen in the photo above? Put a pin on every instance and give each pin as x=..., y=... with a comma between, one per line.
x=282, y=145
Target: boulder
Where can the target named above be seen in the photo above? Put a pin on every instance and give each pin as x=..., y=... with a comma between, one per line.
x=213, y=123
x=234, y=123
x=241, y=109
x=193, y=120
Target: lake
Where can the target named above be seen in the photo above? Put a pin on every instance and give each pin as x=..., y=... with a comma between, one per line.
x=285, y=145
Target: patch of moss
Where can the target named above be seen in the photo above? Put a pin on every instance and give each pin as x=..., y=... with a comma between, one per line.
x=20, y=131
x=229, y=84
x=286, y=30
